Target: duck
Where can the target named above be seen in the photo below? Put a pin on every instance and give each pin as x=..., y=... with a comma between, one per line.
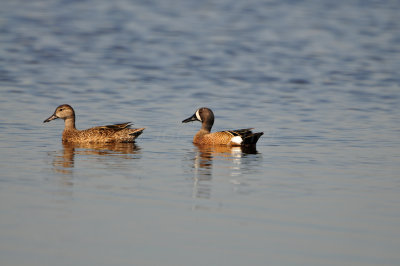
x=239, y=137
x=101, y=134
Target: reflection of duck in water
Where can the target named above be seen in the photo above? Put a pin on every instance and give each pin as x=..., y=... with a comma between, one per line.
x=64, y=162
x=103, y=134
x=240, y=137
x=203, y=164
x=207, y=153
x=226, y=151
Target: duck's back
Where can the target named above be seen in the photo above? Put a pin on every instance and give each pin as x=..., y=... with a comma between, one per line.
x=102, y=134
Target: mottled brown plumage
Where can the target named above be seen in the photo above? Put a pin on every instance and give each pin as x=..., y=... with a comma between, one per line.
x=240, y=137
x=102, y=134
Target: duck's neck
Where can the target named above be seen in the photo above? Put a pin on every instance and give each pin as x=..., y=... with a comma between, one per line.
x=206, y=127
x=69, y=124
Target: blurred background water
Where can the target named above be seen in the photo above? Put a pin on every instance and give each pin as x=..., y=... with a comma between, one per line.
x=319, y=78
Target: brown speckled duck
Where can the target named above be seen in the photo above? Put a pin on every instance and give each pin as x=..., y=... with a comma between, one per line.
x=103, y=134
x=240, y=137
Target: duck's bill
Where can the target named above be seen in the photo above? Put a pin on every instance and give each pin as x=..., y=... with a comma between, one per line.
x=190, y=119
x=50, y=118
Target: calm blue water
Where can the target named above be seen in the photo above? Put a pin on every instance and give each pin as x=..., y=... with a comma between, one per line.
x=319, y=78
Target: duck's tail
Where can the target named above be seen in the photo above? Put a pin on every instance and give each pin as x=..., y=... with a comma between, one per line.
x=136, y=132
x=251, y=139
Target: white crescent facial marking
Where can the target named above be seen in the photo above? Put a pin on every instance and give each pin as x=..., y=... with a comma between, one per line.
x=198, y=115
x=237, y=140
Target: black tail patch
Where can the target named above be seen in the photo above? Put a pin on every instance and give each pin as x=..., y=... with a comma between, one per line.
x=252, y=138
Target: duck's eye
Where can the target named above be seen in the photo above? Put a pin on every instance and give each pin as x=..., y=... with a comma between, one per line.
x=60, y=109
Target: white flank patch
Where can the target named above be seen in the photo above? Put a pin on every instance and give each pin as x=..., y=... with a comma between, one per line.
x=198, y=115
x=237, y=140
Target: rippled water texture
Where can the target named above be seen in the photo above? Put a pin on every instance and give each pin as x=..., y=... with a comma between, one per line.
x=319, y=78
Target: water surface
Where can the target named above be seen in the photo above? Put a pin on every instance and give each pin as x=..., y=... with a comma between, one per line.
x=319, y=78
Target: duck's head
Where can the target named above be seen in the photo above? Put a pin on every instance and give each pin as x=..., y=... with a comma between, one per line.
x=63, y=111
x=204, y=115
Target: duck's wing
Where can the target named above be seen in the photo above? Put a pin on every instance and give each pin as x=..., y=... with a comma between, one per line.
x=115, y=127
x=240, y=132
x=102, y=132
